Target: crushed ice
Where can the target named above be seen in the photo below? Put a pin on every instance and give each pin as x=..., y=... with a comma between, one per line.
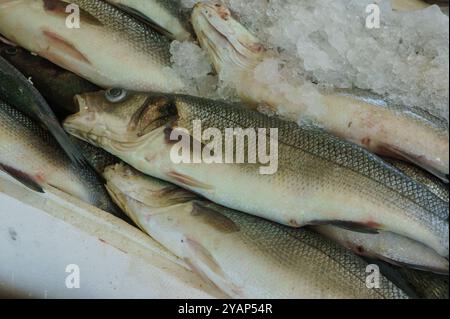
x=406, y=60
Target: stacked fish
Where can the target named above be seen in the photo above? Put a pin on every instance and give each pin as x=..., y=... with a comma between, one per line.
x=345, y=195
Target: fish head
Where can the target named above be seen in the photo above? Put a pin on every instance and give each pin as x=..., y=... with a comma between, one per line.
x=183, y=224
x=154, y=205
x=117, y=118
x=229, y=44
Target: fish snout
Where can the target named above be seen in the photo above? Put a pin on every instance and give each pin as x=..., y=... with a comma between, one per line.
x=84, y=121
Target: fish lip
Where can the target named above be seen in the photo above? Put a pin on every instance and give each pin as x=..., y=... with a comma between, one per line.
x=77, y=103
x=76, y=124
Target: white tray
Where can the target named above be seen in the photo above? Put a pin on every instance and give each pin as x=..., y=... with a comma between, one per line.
x=41, y=234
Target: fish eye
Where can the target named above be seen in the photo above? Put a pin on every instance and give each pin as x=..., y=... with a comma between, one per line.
x=11, y=51
x=116, y=95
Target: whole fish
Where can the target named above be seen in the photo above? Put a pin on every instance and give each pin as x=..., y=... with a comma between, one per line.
x=31, y=155
x=359, y=117
x=57, y=85
x=389, y=247
x=245, y=256
x=166, y=16
x=108, y=47
x=319, y=179
x=18, y=91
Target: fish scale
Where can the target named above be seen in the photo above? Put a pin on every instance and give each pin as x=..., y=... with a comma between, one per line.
x=431, y=182
x=166, y=16
x=320, y=179
x=29, y=149
x=133, y=31
x=388, y=247
x=245, y=256
x=110, y=48
x=317, y=143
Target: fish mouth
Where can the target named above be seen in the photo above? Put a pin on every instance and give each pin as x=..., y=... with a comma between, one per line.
x=81, y=124
x=89, y=123
x=228, y=43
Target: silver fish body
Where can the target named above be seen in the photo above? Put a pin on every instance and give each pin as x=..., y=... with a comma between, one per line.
x=360, y=117
x=320, y=178
x=246, y=257
x=31, y=155
x=164, y=15
x=109, y=47
x=433, y=183
x=388, y=247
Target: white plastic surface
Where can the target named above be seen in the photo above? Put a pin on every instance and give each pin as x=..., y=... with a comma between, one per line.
x=41, y=234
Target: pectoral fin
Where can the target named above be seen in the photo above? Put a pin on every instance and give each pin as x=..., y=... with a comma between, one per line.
x=203, y=263
x=188, y=181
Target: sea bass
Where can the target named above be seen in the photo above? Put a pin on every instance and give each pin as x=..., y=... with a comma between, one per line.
x=245, y=256
x=166, y=16
x=110, y=48
x=31, y=155
x=320, y=179
x=389, y=247
x=359, y=117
